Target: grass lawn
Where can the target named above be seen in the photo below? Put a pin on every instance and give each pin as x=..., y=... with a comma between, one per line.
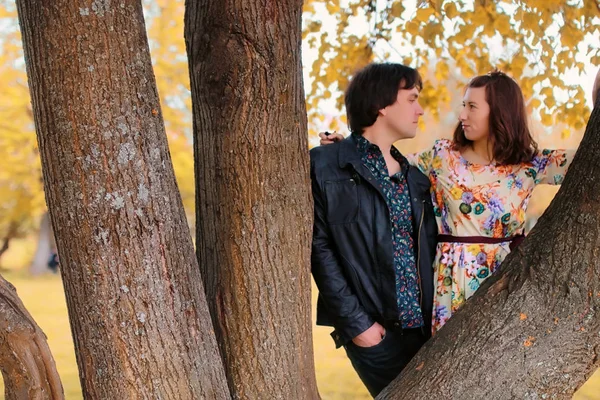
x=44, y=298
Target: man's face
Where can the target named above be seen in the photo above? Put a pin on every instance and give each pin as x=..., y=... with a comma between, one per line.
x=402, y=117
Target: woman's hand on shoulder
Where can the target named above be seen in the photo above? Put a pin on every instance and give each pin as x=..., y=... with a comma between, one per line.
x=329, y=137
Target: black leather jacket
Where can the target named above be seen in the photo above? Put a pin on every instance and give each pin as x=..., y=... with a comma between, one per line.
x=352, y=254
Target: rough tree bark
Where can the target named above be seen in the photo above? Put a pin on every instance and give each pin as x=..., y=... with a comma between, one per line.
x=139, y=318
x=532, y=331
x=253, y=194
x=26, y=362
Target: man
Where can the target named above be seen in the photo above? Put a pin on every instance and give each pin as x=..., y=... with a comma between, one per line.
x=374, y=229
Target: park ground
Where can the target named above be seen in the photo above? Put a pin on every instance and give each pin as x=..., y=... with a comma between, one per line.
x=44, y=298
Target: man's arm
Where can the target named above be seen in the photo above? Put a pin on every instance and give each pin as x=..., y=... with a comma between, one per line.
x=341, y=303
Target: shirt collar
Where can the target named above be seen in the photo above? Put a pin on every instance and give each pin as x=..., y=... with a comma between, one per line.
x=364, y=147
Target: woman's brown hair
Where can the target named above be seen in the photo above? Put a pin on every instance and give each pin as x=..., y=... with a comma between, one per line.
x=510, y=137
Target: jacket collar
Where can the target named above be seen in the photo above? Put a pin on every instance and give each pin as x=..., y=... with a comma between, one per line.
x=349, y=153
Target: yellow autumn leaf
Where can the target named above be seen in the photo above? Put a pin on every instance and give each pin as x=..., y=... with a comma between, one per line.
x=570, y=37
x=397, y=9
x=333, y=7
x=547, y=119
x=423, y=14
x=450, y=9
x=535, y=103
x=531, y=21
x=502, y=24
x=518, y=64
x=441, y=71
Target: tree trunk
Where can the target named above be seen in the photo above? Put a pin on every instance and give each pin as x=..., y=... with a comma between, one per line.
x=253, y=195
x=10, y=235
x=5, y=245
x=532, y=330
x=139, y=318
x=26, y=362
x=43, y=250
x=6, y=241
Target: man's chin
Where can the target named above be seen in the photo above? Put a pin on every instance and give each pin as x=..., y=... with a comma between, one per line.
x=409, y=135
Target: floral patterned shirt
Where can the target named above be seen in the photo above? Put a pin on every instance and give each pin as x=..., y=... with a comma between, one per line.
x=397, y=198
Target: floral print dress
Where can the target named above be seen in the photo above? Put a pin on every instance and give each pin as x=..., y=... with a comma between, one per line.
x=478, y=200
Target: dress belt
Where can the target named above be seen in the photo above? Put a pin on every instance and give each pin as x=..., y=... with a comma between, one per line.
x=514, y=240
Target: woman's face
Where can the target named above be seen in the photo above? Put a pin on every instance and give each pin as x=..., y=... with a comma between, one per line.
x=475, y=115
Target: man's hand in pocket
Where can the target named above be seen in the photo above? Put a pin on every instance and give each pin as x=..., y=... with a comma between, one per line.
x=371, y=337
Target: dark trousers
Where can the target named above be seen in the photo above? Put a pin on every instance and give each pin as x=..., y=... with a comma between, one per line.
x=379, y=365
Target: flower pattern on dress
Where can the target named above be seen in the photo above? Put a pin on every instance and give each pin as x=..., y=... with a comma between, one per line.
x=478, y=200
x=397, y=197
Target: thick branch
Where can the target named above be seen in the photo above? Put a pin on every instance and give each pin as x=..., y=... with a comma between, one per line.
x=26, y=362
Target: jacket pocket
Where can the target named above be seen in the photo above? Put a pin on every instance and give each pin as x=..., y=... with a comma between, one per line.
x=342, y=201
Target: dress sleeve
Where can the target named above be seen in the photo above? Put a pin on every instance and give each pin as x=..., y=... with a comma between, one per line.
x=551, y=166
x=422, y=160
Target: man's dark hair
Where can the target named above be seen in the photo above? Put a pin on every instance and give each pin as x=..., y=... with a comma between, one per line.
x=375, y=87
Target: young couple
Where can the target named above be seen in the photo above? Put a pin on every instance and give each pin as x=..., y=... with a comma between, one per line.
x=401, y=242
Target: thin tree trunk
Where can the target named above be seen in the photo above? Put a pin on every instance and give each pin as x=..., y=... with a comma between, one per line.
x=532, y=331
x=11, y=233
x=26, y=362
x=136, y=304
x=5, y=245
x=43, y=250
x=253, y=196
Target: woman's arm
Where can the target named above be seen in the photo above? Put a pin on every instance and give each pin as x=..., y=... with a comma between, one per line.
x=551, y=165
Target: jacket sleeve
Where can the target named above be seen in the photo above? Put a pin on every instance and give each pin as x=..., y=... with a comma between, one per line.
x=341, y=303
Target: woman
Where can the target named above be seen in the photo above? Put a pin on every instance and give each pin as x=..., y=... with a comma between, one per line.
x=481, y=182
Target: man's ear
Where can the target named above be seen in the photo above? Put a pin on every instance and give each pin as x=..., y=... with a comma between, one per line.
x=383, y=112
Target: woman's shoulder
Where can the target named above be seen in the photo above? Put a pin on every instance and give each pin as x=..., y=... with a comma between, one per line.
x=540, y=158
x=443, y=143
x=439, y=146
x=443, y=148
